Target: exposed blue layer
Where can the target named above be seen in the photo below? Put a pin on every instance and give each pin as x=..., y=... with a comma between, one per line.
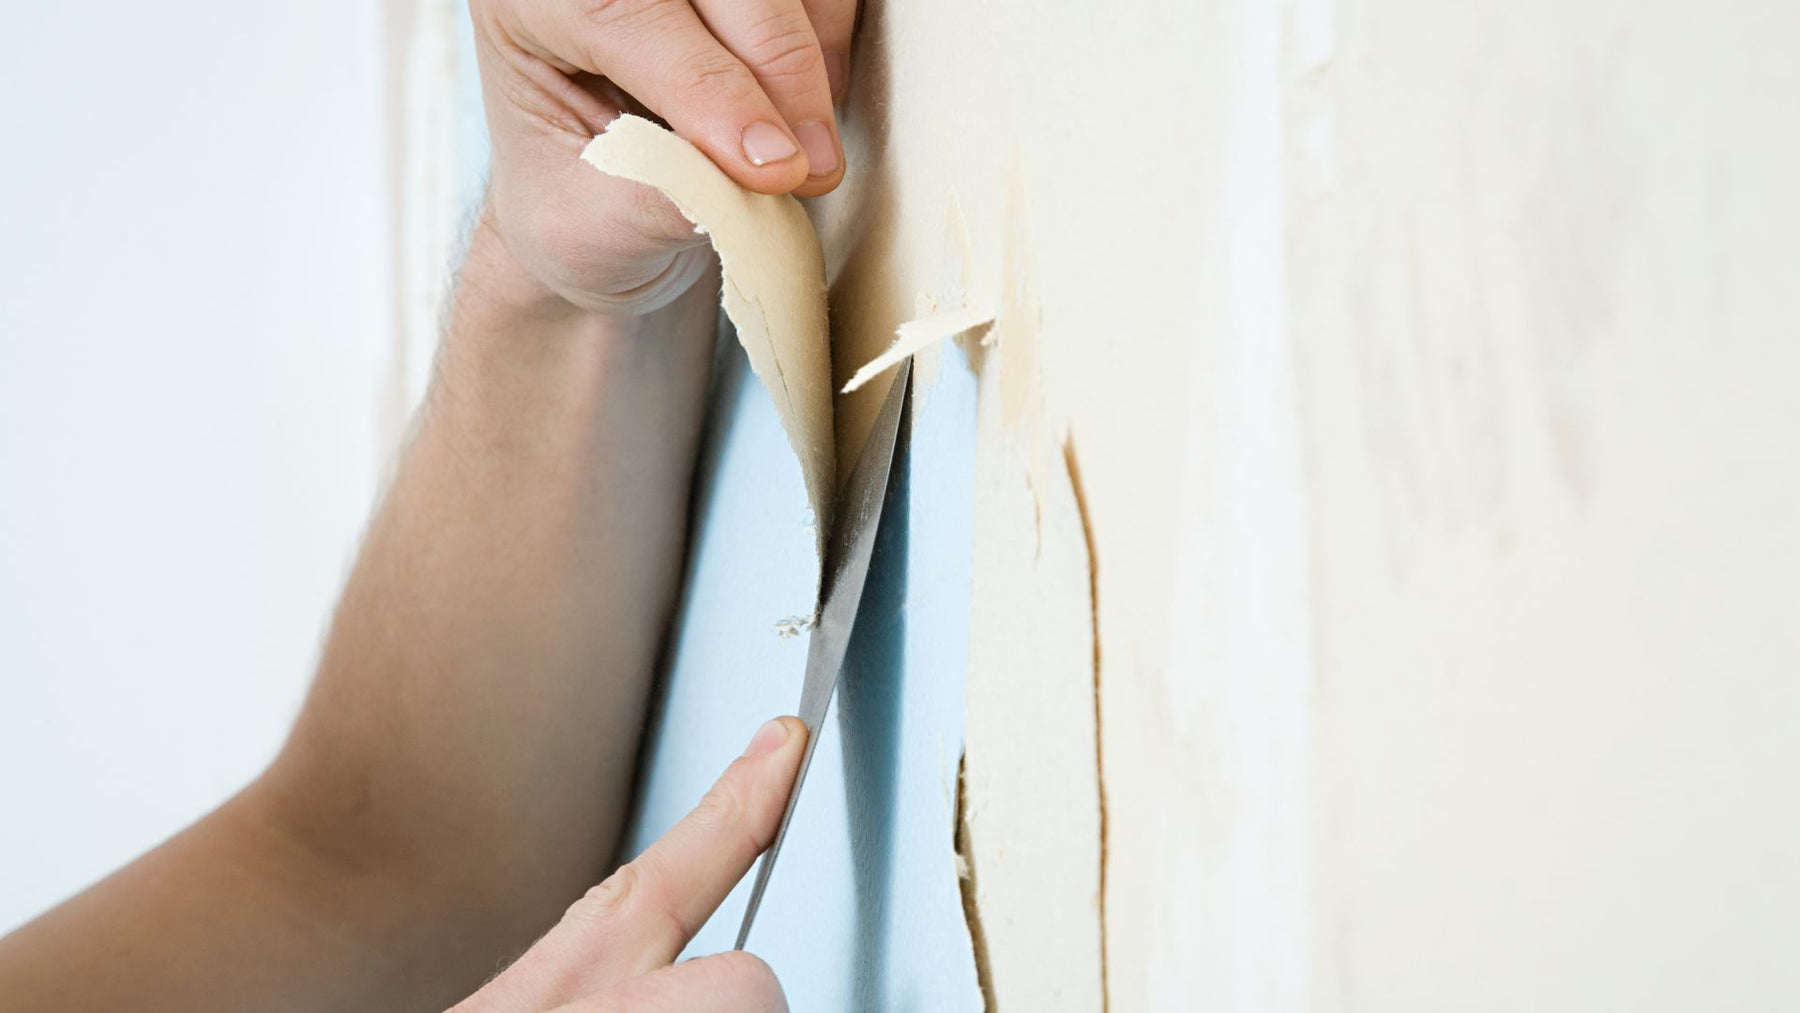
x=864, y=910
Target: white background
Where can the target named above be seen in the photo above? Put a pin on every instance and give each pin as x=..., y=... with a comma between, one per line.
x=195, y=342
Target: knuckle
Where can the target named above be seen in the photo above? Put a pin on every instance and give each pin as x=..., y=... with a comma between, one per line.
x=628, y=23
x=659, y=909
x=615, y=11
x=721, y=808
x=607, y=899
x=723, y=812
x=784, y=46
x=548, y=112
x=714, y=74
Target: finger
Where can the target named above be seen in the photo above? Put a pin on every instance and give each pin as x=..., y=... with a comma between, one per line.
x=734, y=982
x=775, y=39
x=833, y=22
x=660, y=52
x=643, y=914
x=676, y=884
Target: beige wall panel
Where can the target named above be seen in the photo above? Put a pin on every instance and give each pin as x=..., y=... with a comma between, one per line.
x=1432, y=375
x=1543, y=292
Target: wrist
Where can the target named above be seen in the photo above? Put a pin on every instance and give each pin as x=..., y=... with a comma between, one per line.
x=494, y=289
x=597, y=283
x=498, y=306
x=513, y=346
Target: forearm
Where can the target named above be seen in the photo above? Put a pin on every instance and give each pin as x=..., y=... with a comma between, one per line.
x=461, y=769
x=478, y=707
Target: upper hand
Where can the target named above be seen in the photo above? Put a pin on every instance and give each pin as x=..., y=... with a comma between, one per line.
x=613, y=951
x=749, y=82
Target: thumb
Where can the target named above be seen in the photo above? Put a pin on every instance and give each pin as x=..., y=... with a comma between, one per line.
x=735, y=982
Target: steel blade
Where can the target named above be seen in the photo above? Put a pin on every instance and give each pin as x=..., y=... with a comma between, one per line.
x=847, y=559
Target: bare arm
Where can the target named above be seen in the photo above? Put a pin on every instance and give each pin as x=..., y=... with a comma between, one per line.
x=460, y=771
x=459, y=774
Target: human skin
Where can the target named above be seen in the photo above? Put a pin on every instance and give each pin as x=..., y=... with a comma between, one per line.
x=459, y=776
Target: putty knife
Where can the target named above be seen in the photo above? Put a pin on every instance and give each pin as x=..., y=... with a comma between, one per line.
x=847, y=571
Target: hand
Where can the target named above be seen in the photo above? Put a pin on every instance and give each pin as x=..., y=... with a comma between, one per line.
x=749, y=82
x=613, y=950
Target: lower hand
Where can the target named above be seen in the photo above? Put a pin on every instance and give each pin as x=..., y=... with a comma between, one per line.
x=613, y=951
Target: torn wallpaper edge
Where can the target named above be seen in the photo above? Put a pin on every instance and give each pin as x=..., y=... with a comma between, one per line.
x=774, y=283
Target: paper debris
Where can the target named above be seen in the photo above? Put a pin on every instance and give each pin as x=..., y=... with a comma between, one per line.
x=792, y=626
x=913, y=335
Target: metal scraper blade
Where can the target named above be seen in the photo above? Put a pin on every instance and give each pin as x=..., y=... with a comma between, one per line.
x=847, y=559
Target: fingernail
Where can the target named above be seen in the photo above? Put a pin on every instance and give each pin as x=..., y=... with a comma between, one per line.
x=767, y=739
x=765, y=142
x=820, y=146
x=837, y=73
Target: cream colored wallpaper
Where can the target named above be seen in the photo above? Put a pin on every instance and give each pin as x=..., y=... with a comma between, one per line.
x=1543, y=295
x=1427, y=377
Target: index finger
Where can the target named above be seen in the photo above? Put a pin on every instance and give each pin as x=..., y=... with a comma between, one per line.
x=653, y=905
x=664, y=55
x=640, y=918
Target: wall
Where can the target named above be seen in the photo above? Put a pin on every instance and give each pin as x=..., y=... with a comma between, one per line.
x=1424, y=378
x=1542, y=272
x=195, y=328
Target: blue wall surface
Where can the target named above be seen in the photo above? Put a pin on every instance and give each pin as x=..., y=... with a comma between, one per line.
x=864, y=910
